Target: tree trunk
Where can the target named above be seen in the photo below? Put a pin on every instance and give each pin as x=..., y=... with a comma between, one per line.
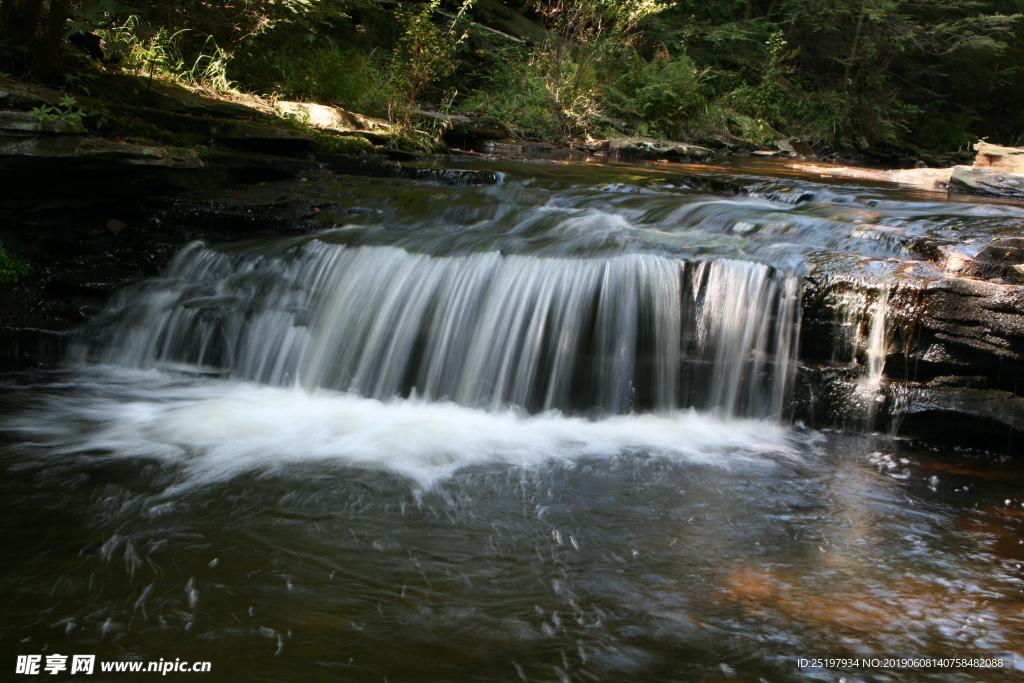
x=47, y=53
x=19, y=19
x=848, y=73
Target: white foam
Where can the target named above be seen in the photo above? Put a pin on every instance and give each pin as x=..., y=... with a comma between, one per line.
x=216, y=430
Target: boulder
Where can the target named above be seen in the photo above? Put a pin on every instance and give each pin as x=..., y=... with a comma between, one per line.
x=1009, y=159
x=16, y=95
x=330, y=118
x=797, y=147
x=928, y=161
x=990, y=181
x=988, y=260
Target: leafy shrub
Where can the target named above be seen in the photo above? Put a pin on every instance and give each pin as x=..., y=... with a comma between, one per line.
x=658, y=96
x=323, y=72
x=823, y=116
x=11, y=267
x=514, y=91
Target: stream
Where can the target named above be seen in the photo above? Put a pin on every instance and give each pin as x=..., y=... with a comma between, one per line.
x=537, y=430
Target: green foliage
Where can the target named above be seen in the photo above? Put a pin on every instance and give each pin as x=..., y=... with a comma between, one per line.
x=323, y=72
x=67, y=116
x=766, y=100
x=589, y=34
x=426, y=52
x=659, y=96
x=169, y=55
x=947, y=130
x=321, y=63
x=514, y=91
x=11, y=267
x=822, y=116
x=930, y=74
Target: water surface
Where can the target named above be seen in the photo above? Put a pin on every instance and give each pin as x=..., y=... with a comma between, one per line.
x=245, y=467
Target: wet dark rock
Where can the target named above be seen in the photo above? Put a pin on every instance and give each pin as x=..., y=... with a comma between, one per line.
x=653, y=149
x=380, y=168
x=22, y=347
x=987, y=181
x=990, y=419
x=458, y=130
x=796, y=148
x=953, y=354
x=969, y=318
x=711, y=183
x=822, y=394
x=991, y=260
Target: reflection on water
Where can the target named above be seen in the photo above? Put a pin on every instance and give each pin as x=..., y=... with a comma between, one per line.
x=288, y=536
x=605, y=210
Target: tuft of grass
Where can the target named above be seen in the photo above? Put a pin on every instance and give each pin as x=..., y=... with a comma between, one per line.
x=325, y=141
x=11, y=267
x=170, y=55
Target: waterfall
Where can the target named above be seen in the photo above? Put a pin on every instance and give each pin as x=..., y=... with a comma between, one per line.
x=612, y=335
x=876, y=341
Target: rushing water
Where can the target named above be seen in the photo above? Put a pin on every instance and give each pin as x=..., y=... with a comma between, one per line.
x=484, y=330
x=530, y=431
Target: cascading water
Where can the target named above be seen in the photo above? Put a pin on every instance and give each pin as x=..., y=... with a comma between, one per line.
x=633, y=332
x=387, y=451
